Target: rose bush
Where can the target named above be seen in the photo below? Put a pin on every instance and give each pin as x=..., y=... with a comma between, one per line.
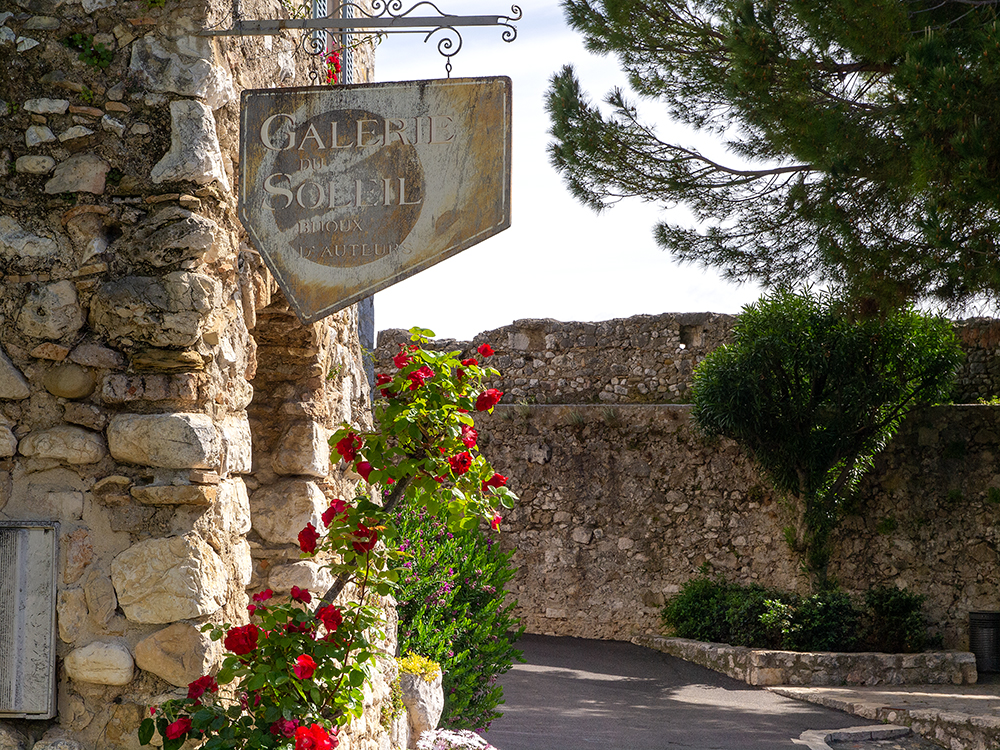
x=294, y=676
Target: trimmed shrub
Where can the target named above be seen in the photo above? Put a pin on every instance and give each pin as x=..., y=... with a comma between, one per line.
x=698, y=611
x=894, y=622
x=453, y=610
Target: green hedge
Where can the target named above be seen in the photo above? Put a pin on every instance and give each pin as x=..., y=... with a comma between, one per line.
x=710, y=609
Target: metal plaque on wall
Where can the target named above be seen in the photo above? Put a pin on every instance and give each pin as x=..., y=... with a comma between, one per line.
x=346, y=190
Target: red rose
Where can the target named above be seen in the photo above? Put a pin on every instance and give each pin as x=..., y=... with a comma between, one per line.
x=314, y=738
x=497, y=480
x=383, y=379
x=179, y=728
x=469, y=436
x=470, y=362
x=486, y=350
x=419, y=377
x=367, y=538
x=241, y=641
x=330, y=616
x=460, y=463
x=337, y=507
x=495, y=523
x=308, y=538
x=284, y=727
x=263, y=596
x=301, y=595
x=364, y=469
x=488, y=399
x=304, y=667
x=202, y=685
x=349, y=446
x=401, y=360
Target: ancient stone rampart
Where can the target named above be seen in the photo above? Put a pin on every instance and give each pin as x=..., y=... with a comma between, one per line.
x=649, y=359
x=158, y=400
x=621, y=503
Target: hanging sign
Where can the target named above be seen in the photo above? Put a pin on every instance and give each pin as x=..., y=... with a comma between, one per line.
x=346, y=190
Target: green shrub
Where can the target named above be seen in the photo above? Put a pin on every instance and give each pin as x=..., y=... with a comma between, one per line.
x=698, y=611
x=712, y=610
x=894, y=622
x=453, y=610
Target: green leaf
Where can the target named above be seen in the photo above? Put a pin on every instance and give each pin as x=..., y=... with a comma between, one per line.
x=146, y=729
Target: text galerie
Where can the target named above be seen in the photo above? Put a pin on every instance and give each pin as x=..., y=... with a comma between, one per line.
x=316, y=148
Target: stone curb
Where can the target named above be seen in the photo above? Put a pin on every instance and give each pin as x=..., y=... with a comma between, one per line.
x=816, y=739
x=763, y=667
x=949, y=728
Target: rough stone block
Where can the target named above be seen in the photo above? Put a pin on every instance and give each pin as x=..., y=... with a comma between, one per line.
x=8, y=443
x=13, y=385
x=69, y=381
x=302, y=449
x=165, y=67
x=305, y=574
x=176, y=494
x=236, y=444
x=194, y=153
x=51, y=312
x=280, y=511
x=73, y=445
x=170, y=441
x=164, y=580
x=83, y=173
x=17, y=242
x=180, y=653
x=424, y=701
x=101, y=663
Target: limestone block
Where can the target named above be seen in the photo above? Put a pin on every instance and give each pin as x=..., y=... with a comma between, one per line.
x=100, y=663
x=51, y=311
x=305, y=574
x=46, y=106
x=169, y=441
x=8, y=443
x=57, y=504
x=11, y=739
x=101, y=599
x=83, y=173
x=17, y=242
x=71, y=614
x=281, y=510
x=194, y=153
x=85, y=415
x=302, y=449
x=33, y=164
x=69, y=381
x=95, y=355
x=37, y=134
x=167, y=311
x=236, y=444
x=78, y=553
x=424, y=702
x=174, y=235
x=164, y=580
x=234, y=506
x=74, y=133
x=87, y=232
x=50, y=350
x=167, y=67
x=242, y=562
x=74, y=445
x=13, y=385
x=176, y=494
x=180, y=653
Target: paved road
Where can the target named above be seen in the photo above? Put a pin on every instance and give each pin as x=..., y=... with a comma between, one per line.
x=574, y=693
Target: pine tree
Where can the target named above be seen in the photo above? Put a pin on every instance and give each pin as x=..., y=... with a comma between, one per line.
x=865, y=137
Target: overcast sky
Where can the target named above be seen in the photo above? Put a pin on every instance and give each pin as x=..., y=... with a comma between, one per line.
x=559, y=259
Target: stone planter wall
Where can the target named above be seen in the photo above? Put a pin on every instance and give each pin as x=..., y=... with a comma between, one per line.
x=157, y=398
x=765, y=668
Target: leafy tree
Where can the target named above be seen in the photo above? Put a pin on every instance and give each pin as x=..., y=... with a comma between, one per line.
x=864, y=134
x=813, y=394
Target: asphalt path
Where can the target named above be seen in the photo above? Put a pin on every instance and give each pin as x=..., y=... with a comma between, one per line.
x=573, y=693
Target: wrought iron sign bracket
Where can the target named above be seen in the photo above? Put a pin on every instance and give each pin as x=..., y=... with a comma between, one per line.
x=386, y=17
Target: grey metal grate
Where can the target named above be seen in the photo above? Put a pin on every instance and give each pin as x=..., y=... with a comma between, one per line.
x=28, y=562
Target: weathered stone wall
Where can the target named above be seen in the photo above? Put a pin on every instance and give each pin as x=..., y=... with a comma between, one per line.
x=623, y=502
x=157, y=398
x=649, y=359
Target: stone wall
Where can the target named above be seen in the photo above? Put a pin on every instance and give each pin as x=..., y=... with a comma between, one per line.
x=622, y=502
x=649, y=359
x=157, y=398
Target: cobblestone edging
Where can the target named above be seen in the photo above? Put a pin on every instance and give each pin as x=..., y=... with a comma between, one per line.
x=766, y=668
x=953, y=729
